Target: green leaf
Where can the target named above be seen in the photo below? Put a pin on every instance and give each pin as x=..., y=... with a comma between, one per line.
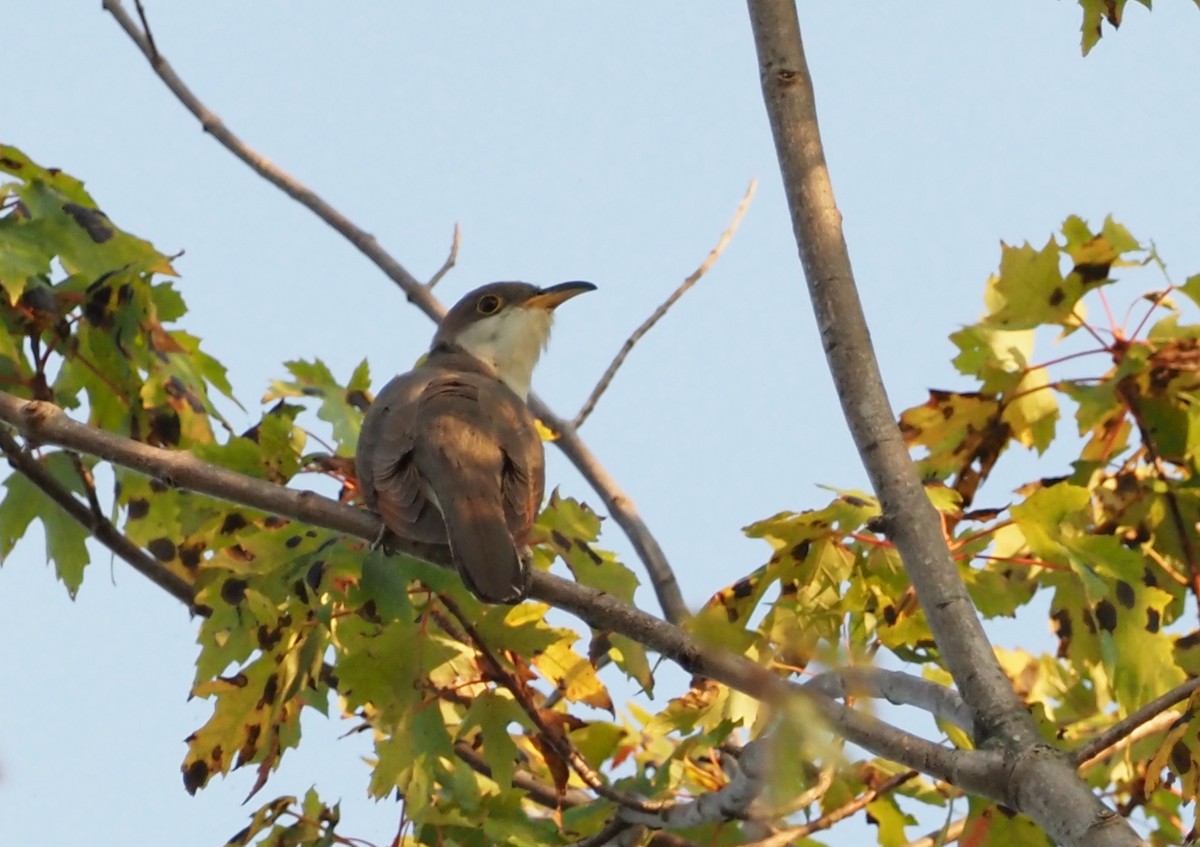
x=24, y=502
x=884, y=812
x=1032, y=411
x=1030, y=289
x=493, y=713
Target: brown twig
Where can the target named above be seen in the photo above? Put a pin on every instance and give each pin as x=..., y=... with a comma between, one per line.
x=451, y=259
x=556, y=738
x=657, y=314
x=833, y=816
x=537, y=791
x=1085, y=753
x=622, y=508
x=940, y=837
x=146, y=29
x=101, y=528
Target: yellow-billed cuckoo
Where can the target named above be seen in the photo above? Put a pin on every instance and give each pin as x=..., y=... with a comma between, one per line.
x=449, y=453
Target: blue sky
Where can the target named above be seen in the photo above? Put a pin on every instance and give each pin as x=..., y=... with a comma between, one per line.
x=609, y=142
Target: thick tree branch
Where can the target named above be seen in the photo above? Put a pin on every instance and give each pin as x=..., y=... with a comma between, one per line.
x=1044, y=785
x=657, y=315
x=987, y=773
x=620, y=506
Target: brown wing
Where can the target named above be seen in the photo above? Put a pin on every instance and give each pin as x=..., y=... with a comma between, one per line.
x=479, y=453
x=523, y=478
x=387, y=475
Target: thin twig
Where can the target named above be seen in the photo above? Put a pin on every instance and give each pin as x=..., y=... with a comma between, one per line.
x=537, y=791
x=451, y=259
x=940, y=837
x=101, y=528
x=792, y=834
x=657, y=314
x=1094, y=747
x=146, y=29
x=619, y=504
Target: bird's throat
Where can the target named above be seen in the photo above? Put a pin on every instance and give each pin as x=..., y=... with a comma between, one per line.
x=509, y=343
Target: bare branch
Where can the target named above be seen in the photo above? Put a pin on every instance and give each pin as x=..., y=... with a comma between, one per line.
x=896, y=687
x=451, y=259
x=983, y=772
x=272, y=173
x=1041, y=784
x=620, y=506
x=1085, y=753
x=657, y=314
x=103, y=530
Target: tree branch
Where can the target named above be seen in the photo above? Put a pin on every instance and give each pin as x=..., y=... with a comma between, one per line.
x=657, y=314
x=1042, y=783
x=898, y=688
x=982, y=772
x=620, y=506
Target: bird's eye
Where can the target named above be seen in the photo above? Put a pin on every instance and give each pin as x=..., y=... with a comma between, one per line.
x=488, y=304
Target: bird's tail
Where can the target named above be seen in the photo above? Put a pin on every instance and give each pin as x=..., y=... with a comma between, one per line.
x=483, y=549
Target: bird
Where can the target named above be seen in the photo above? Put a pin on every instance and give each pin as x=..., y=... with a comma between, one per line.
x=449, y=452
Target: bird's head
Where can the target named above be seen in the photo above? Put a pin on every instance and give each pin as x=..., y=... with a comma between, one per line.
x=506, y=326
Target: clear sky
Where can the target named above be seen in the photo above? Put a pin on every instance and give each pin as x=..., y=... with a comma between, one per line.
x=608, y=141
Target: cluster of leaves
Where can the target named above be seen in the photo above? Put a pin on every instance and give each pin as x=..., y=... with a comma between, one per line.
x=487, y=720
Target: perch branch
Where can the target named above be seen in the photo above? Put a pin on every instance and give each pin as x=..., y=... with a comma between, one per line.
x=656, y=316
x=984, y=772
x=1044, y=785
x=618, y=503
